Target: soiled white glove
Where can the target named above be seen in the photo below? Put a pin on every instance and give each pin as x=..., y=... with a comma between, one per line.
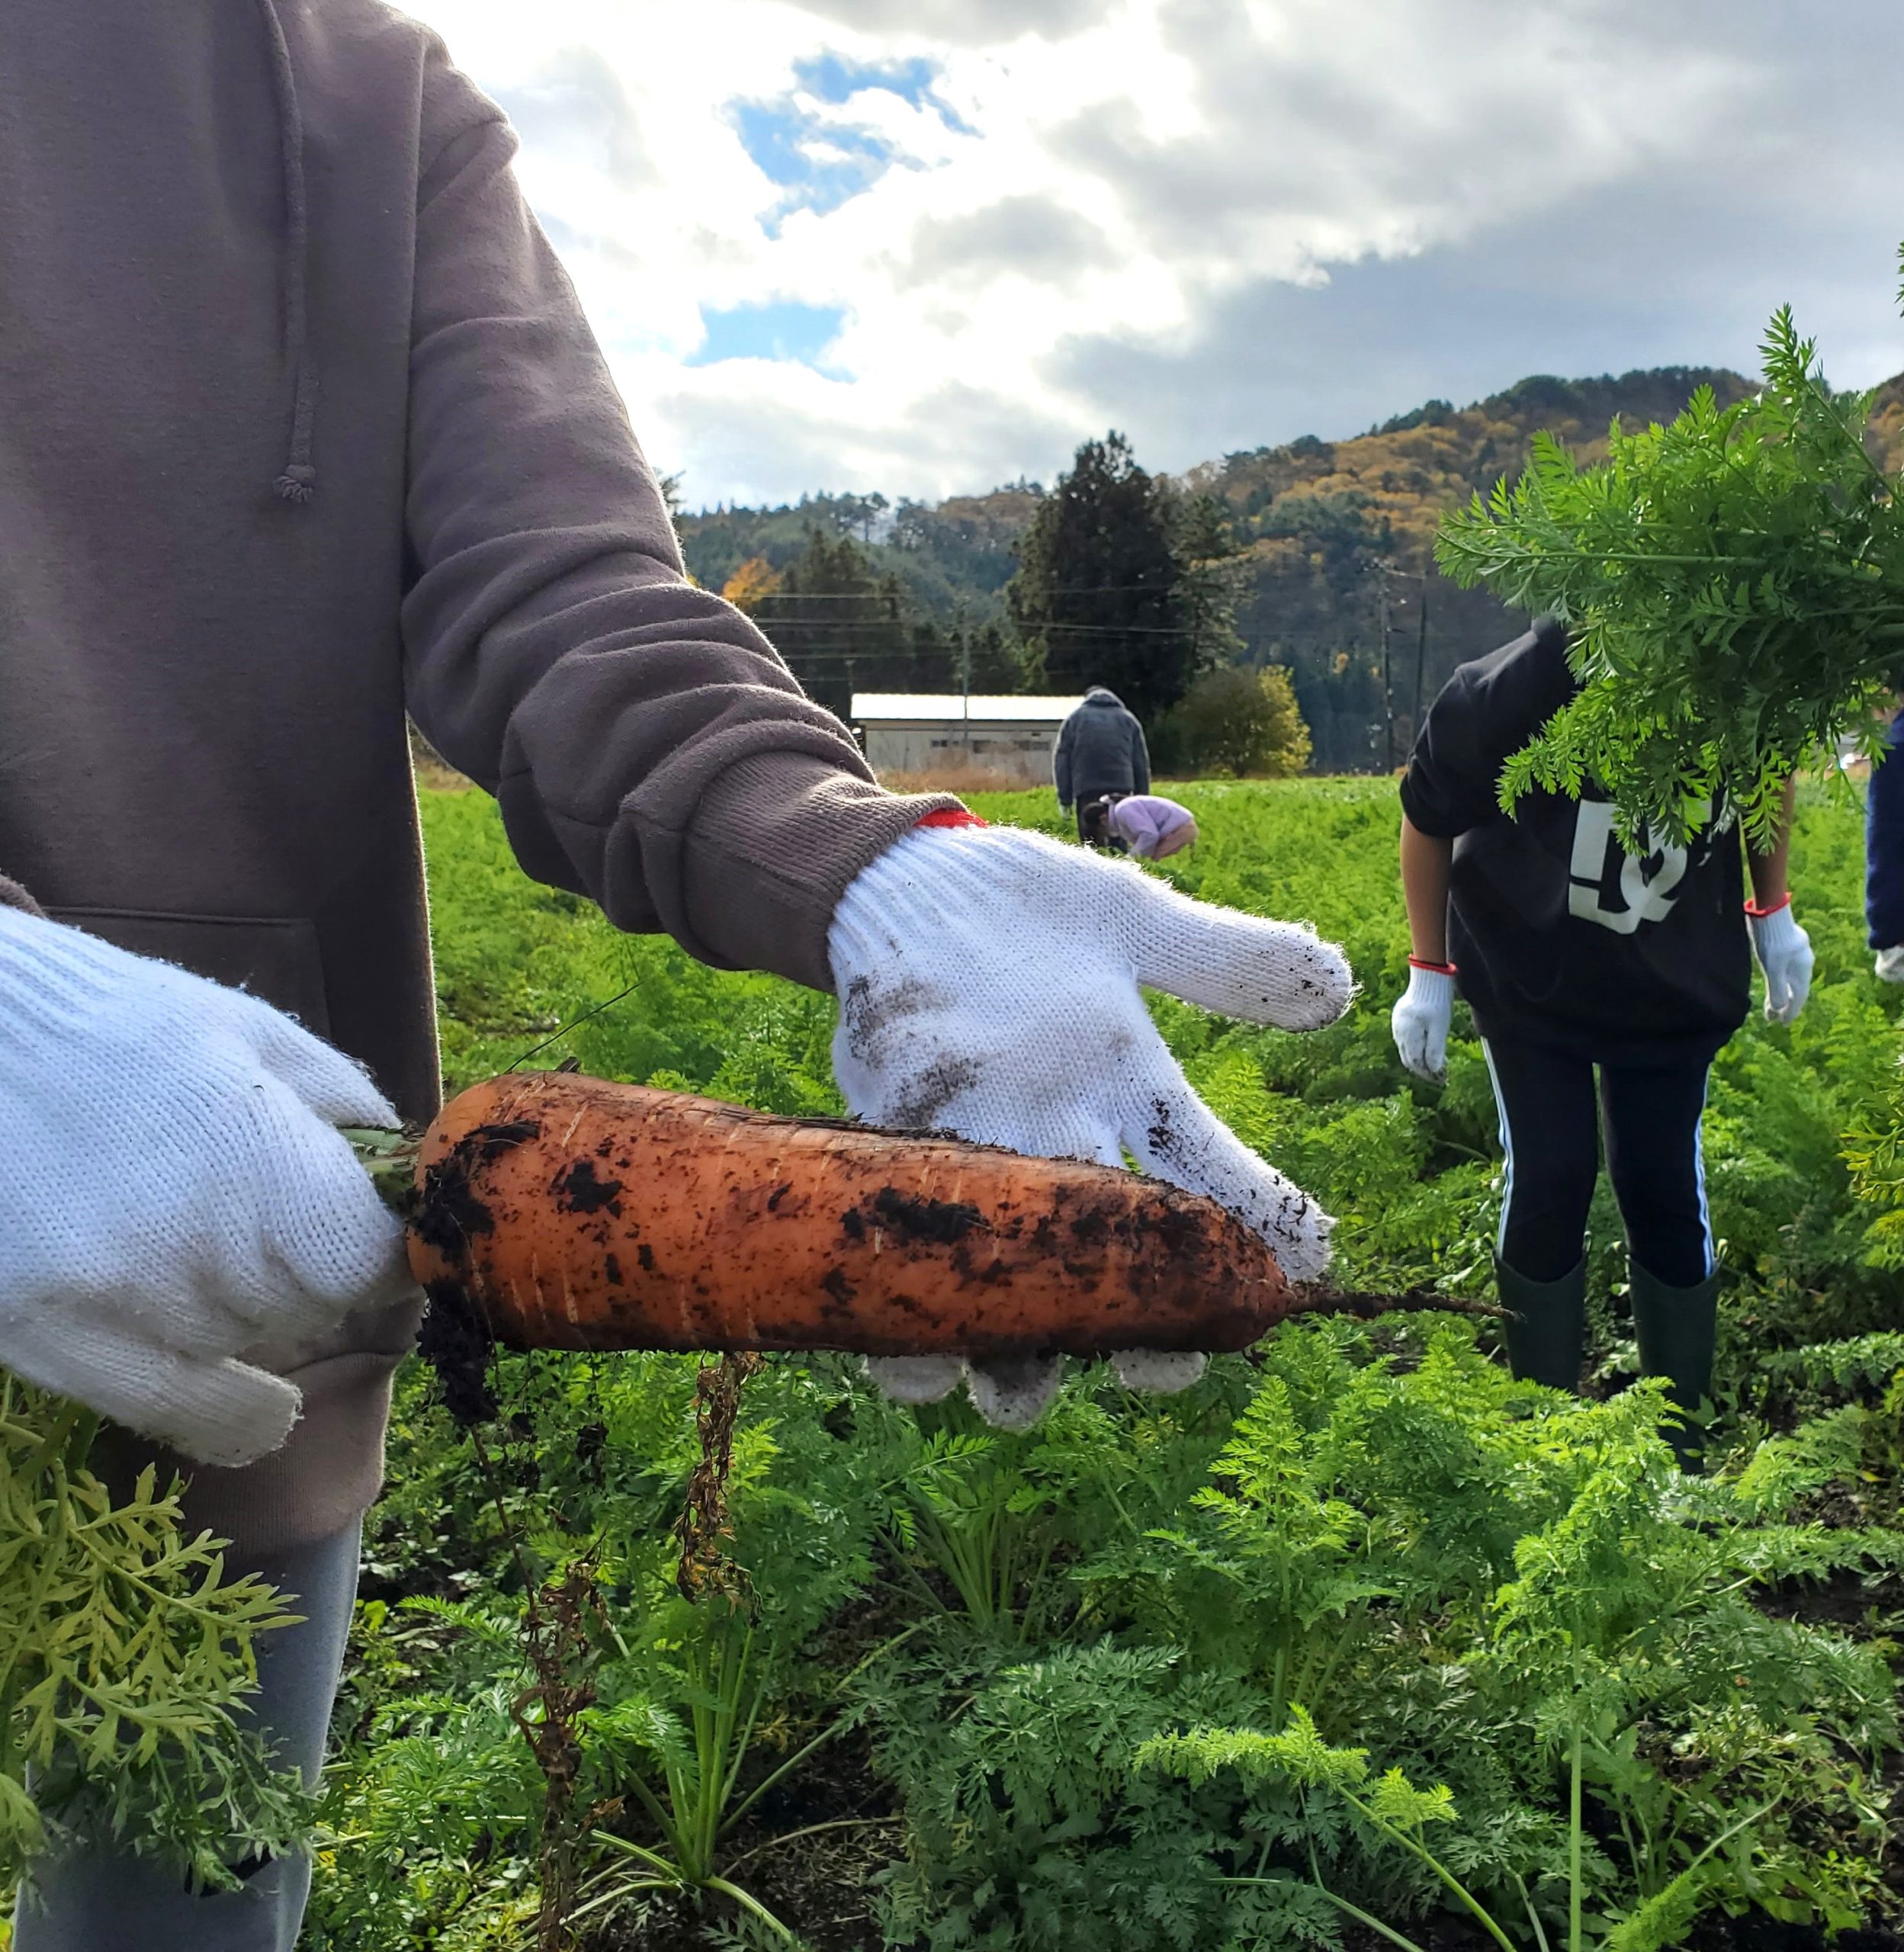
x=172, y=1192
x=1890, y=965
x=1419, y=1022
x=988, y=984
x=1784, y=953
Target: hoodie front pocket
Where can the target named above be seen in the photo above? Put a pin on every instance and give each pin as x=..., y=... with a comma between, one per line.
x=276, y=958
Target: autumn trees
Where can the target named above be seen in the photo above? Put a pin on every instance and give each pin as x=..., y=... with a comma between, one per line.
x=1117, y=577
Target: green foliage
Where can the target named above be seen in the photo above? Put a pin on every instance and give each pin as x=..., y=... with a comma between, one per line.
x=1501, y=1592
x=1214, y=560
x=841, y=625
x=126, y=1657
x=1731, y=581
x=680, y=1724
x=682, y=1760
x=1234, y=721
x=1099, y=596
x=1370, y=1533
x=1874, y=1151
x=1392, y=1807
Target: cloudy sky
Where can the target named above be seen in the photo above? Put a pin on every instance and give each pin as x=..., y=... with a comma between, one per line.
x=925, y=245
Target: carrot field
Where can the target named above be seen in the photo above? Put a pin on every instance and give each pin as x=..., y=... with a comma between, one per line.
x=1358, y=1642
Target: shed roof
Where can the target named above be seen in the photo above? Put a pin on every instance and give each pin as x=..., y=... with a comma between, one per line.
x=876, y=706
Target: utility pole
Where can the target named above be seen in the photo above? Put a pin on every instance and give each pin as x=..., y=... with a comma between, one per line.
x=966, y=678
x=1382, y=568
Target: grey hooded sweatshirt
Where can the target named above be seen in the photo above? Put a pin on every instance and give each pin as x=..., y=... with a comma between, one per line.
x=301, y=425
x=1100, y=749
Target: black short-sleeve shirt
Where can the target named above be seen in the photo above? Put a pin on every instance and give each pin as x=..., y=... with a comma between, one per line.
x=1560, y=936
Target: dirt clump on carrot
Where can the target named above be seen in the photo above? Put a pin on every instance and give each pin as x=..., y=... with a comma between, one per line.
x=945, y=1221
x=456, y=1344
x=447, y=1210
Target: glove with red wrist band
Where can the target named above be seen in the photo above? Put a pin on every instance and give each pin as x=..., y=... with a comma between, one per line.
x=991, y=983
x=1420, y=1018
x=1784, y=954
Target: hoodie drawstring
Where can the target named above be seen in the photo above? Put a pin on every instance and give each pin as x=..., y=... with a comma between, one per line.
x=299, y=480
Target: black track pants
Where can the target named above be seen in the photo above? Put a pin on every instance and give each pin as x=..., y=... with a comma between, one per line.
x=1550, y=1134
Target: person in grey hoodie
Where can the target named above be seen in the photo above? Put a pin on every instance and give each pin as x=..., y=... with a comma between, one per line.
x=1100, y=749
x=301, y=430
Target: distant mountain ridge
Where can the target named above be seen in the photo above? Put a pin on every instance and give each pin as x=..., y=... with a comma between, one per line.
x=1338, y=536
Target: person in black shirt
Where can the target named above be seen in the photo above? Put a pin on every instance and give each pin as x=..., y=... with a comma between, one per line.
x=1575, y=956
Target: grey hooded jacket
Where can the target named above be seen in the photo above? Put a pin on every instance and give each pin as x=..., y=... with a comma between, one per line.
x=301, y=426
x=1100, y=749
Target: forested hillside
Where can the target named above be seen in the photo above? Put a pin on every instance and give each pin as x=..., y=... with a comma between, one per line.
x=1337, y=538
x=1340, y=537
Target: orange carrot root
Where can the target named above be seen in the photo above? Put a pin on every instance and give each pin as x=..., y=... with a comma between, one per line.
x=564, y=1212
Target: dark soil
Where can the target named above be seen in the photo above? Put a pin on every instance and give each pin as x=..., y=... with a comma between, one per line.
x=1863, y=1608
x=943, y=1221
x=449, y=1210
x=456, y=1345
x=1755, y=1932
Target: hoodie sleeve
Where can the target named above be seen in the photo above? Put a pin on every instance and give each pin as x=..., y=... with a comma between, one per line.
x=646, y=744
x=1061, y=763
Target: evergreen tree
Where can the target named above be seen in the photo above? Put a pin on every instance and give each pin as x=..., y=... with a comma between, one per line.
x=842, y=626
x=1099, y=596
x=997, y=666
x=1216, y=577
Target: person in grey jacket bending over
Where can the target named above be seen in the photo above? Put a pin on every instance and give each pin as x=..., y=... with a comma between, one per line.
x=1100, y=749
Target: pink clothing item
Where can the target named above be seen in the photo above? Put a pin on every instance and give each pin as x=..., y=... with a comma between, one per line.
x=1151, y=826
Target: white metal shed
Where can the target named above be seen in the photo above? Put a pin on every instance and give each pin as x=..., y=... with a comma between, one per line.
x=925, y=731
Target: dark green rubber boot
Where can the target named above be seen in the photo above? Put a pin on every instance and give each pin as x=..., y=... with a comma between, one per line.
x=1677, y=1328
x=1547, y=1343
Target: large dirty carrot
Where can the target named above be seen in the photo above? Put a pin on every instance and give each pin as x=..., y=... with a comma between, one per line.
x=564, y=1213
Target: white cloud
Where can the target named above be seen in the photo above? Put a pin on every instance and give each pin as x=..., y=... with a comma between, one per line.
x=1036, y=220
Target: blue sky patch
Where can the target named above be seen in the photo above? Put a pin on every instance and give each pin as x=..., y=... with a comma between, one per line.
x=834, y=79
x=821, y=163
x=818, y=165
x=781, y=330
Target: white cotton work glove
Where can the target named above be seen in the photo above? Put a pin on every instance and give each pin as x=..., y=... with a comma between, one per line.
x=1784, y=954
x=1420, y=1021
x=172, y=1191
x=988, y=981
x=1890, y=965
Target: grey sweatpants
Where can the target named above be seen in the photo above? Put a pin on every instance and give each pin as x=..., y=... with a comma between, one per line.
x=94, y=1900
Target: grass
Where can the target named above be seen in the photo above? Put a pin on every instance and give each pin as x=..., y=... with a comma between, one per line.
x=1363, y=1525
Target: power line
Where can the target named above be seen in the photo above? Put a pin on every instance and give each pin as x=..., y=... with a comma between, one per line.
x=1055, y=589
x=881, y=624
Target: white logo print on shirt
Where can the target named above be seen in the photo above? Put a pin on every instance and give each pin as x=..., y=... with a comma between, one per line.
x=1602, y=869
